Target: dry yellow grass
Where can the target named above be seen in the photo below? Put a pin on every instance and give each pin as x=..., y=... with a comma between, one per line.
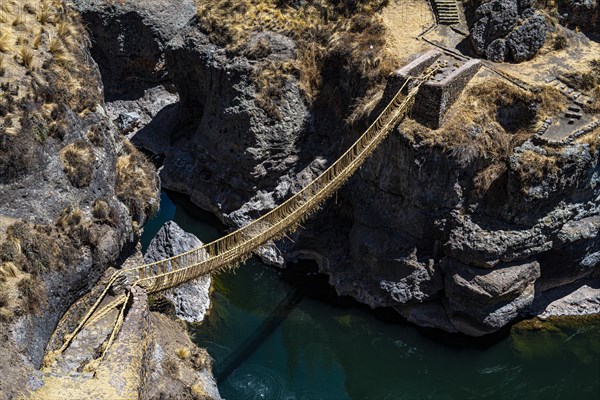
x=136, y=183
x=8, y=270
x=47, y=38
x=26, y=57
x=536, y=166
x=70, y=217
x=351, y=30
x=45, y=14
x=199, y=392
x=78, y=163
x=7, y=41
x=55, y=45
x=476, y=130
x=184, y=353
x=364, y=106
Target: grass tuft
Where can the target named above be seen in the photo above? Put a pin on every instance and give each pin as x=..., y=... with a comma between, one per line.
x=199, y=392
x=37, y=39
x=55, y=46
x=26, y=57
x=6, y=41
x=9, y=270
x=184, y=353
x=44, y=14
x=137, y=185
x=78, y=161
x=18, y=20
x=63, y=29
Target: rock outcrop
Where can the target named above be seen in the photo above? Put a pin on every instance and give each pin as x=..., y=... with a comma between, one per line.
x=67, y=210
x=508, y=30
x=129, y=41
x=192, y=299
x=584, y=14
x=482, y=302
x=151, y=357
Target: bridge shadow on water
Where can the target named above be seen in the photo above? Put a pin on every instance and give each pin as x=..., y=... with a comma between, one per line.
x=253, y=342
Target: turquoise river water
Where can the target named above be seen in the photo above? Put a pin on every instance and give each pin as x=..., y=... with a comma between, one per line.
x=269, y=342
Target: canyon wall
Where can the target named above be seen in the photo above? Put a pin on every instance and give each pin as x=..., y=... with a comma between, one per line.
x=410, y=230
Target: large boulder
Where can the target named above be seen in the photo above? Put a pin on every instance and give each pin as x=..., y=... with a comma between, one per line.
x=508, y=30
x=191, y=299
x=526, y=40
x=483, y=301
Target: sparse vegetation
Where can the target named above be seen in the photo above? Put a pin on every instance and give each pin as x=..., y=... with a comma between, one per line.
x=490, y=120
x=595, y=106
x=41, y=71
x=201, y=359
x=536, y=166
x=592, y=139
x=78, y=163
x=36, y=92
x=46, y=81
x=170, y=366
x=321, y=29
x=136, y=184
x=101, y=210
x=6, y=312
x=184, y=353
x=39, y=251
x=29, y=251
x=587, y=79
x=33, y=293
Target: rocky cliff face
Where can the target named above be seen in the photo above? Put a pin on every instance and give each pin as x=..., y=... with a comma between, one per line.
x=411, y=230
x=73, y=192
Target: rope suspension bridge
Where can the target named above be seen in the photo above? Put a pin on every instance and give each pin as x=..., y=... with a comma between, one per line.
x=236, y=247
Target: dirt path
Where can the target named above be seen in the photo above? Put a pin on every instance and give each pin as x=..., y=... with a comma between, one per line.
x=405, y=20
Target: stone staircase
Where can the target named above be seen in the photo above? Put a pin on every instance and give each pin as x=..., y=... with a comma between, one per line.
x=577, y=100
x=447, y=12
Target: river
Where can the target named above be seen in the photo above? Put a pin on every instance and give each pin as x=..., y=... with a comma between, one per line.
x=269, y=341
